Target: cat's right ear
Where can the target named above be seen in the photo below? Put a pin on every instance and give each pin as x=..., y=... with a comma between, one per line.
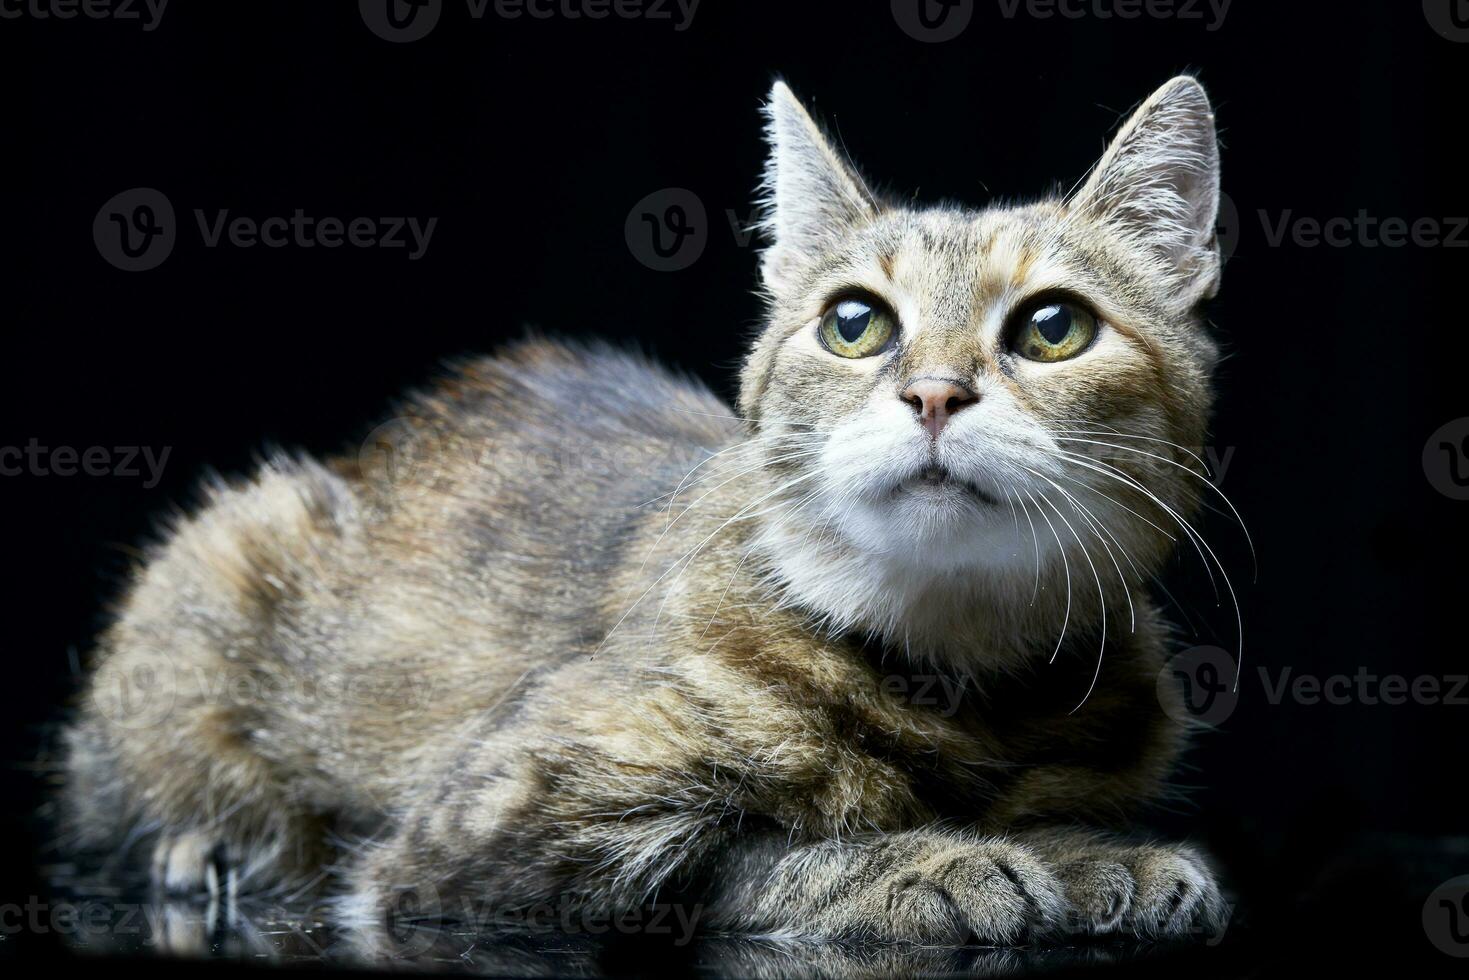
x=1158, y=185
x=809, y=196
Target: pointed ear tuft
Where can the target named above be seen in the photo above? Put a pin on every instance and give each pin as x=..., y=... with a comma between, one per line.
x=1158, y=185
x=809, y=194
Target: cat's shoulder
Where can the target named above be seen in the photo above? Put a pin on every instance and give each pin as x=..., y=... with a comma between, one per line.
x=590, y=386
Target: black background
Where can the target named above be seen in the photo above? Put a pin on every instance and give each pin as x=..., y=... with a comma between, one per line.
x=531, y=141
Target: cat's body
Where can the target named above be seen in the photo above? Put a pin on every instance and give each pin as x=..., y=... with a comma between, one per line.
x=606, y=640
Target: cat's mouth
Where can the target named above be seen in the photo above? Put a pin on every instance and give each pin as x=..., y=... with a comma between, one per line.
x=937, y=479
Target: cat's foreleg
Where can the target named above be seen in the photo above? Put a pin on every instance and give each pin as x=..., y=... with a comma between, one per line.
x=945, y=886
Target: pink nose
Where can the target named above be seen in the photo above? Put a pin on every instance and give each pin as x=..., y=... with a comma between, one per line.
x=936, y=401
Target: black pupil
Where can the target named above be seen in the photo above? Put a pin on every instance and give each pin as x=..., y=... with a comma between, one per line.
x=1053, y=323
x=853, y=318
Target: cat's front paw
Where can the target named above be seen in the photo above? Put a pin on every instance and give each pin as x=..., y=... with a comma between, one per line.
x=1153, y=891
x=951, y=891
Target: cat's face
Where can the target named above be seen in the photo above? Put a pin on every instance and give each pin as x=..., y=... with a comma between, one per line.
x=990, y=390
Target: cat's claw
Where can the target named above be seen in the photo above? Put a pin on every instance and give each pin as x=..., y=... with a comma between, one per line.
x=187, y=864
x=1151, y=892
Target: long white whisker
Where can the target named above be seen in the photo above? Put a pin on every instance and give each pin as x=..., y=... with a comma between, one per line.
x=621, y=619
x=1201, y=477
x=688, y=558
x=1097, y=529
x=1198, y=542
x=1112, y=472
x=1101, y=599
x=1066, y=564
x=763, y=464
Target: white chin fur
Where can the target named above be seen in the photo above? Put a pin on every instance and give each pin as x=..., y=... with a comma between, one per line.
x=891, y=537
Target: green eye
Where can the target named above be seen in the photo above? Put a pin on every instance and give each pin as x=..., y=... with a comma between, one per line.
x=1055, y=332
x=857, y=328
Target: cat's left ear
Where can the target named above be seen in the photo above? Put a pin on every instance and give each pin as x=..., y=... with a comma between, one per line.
x=810, y=195
x=1158, y=185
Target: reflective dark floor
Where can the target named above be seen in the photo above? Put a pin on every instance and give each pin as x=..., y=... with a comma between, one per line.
x=104, y=917
x=1389, y=901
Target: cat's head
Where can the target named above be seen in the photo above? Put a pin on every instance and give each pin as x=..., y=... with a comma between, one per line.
x=979, y=391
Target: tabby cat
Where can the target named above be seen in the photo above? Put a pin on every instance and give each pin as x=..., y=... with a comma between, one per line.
x=868, y=657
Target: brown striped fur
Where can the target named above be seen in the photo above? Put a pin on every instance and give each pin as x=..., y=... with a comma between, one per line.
x=525, y=669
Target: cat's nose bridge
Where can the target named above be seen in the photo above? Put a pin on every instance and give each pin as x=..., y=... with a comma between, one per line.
x=944, y=352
